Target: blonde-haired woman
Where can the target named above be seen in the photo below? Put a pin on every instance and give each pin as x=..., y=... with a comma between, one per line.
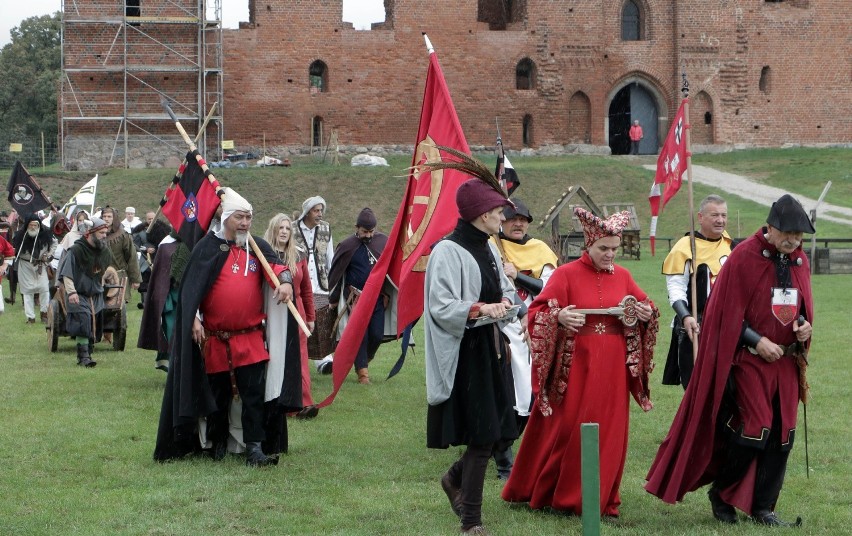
x=279, y=234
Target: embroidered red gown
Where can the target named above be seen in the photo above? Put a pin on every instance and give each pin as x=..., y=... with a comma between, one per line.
x=547, y=467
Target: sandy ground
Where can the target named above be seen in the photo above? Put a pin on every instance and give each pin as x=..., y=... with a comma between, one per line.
x=760, y=193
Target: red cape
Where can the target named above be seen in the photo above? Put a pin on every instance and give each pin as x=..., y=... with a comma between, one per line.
x=685, y=460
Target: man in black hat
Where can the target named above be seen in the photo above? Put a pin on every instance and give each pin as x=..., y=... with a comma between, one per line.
x=528, y=262
x=354, y=259
x=737, y=421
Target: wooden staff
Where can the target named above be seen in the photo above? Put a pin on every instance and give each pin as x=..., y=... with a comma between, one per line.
x=694, y=291
x=219, y=192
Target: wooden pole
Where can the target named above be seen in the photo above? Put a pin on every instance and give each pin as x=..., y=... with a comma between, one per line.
x=591, y=479
x=813, y=221
x=257, y=252
x=694, y=290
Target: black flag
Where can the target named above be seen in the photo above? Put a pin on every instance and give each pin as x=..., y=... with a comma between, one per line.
x=505, y=172
x=25, y=195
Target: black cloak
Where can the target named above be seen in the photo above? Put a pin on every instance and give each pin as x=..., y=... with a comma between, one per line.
x=187, y=395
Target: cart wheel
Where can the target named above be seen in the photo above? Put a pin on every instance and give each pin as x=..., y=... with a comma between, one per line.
x=119, y=334
x=53, y=326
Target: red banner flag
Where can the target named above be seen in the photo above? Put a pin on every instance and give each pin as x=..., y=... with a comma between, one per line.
x=671, y=164
x=427, y=213
x=191, y=205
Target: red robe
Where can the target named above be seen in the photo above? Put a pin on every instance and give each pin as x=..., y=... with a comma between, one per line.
x=235, y=303
x=6, y=251
x=599, y=383
x=304, y=299
x=690, y=455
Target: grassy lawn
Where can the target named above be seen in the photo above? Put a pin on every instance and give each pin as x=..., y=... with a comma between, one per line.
x=75, y=455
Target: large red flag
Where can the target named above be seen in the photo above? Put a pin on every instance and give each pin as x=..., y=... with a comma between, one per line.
x=427, y=213
x=671, y=165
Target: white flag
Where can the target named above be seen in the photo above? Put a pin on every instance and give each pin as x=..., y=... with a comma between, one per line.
x=84, y=198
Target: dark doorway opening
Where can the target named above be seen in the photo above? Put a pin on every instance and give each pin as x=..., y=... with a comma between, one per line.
x=633, y=102
x=619, y=122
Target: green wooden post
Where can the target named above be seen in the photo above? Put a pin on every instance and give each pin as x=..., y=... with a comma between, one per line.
x=590, y=460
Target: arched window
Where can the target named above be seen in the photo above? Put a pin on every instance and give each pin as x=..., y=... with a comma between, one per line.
x=528, y=131
x=318, y=77
x=525, y=74
x=631, y=21
x=701, y=110
x=765, y=84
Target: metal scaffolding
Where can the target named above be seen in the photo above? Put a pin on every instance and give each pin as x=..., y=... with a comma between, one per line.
x=120, y=58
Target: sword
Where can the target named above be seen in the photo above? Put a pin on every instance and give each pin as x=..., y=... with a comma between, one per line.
x=801, y=346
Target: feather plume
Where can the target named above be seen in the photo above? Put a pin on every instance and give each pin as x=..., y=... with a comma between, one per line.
x=464, y=163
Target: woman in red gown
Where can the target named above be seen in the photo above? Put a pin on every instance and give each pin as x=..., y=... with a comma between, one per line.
x=585, y=366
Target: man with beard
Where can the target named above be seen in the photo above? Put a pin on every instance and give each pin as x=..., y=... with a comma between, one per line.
x=529, y=263
x=737, y=421
x=120, y=244
x=313, y=234
x=712, y=247
x=34, y=245
x=353, y=262
x=217, y=351
x=81, y=275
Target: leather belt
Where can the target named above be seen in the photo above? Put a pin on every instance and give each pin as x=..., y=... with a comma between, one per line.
x=225, y=336
x=600, y=328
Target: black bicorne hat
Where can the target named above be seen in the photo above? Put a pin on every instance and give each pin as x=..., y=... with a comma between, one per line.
x=788, y=216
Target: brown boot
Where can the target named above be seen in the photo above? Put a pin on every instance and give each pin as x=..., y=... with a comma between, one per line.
x=363, y=376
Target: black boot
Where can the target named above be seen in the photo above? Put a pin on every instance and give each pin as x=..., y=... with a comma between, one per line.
x=83, y=358
x=255, y=456
x=451, y=484
x=722, y=511
x=504, y=460
x=770, y=519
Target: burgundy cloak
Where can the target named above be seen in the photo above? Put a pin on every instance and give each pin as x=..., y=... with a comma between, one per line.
x=690, y=455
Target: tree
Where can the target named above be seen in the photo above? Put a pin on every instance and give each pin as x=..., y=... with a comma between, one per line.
x=30, y=67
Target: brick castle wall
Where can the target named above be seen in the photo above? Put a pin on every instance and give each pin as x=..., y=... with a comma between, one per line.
x=761, y=73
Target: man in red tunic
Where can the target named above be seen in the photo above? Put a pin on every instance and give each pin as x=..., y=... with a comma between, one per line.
x=737, y=421
x=221, y=310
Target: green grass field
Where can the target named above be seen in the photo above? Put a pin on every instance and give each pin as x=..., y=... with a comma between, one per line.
x=75, y=455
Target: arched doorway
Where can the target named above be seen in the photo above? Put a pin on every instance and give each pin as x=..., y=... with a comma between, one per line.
x=633, y=101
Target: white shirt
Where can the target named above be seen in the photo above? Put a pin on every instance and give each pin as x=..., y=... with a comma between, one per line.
x=129, y=225
x=312, y=267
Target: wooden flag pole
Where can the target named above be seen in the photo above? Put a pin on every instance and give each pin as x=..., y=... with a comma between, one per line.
x=694, y=291
x=219, y=192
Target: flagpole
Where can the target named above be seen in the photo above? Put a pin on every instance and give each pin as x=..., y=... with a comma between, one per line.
x=94, y=197
x=429, y=46
x=694, y=291
x=501, y=155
